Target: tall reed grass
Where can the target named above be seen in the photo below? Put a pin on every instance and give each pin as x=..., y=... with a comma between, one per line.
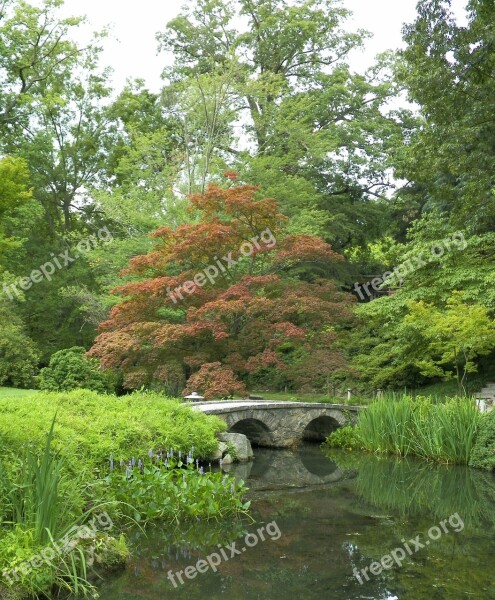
x=31, y=494
x=443, y=432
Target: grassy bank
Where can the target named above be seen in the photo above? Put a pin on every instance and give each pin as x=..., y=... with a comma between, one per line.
x=73, y=459
x=443, y=432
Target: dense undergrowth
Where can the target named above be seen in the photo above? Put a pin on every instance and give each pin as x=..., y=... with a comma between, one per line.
x=78, y=470
x=444, y=432
x=483, y=455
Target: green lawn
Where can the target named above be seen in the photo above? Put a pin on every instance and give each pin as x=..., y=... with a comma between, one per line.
x=9, y=392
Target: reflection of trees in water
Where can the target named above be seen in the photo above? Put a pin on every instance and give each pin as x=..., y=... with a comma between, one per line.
x=411, y=486
x=405, y=497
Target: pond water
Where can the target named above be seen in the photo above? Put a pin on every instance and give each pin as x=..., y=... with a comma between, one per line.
x=328, y=516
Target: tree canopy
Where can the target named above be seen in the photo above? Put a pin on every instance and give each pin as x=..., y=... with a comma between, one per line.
x=261, y=128
x=226, y=291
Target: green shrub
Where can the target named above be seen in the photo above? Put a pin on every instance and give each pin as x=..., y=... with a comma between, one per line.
x=483, y=454
x=33, y=515
x=91, y=427
x=345, y=437
x=70, y=369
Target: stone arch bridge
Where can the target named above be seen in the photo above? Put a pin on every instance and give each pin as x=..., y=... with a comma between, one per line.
x=281, y=424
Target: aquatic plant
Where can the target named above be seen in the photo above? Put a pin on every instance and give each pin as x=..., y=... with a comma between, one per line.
x=443, y=432
x=173, y=488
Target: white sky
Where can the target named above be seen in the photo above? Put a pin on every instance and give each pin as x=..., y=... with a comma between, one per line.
x=131, y=49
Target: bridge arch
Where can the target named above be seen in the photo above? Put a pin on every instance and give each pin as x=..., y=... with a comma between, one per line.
x=257, y=432
x=318, y=429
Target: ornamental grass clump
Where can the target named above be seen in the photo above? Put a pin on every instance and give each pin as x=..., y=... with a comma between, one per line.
x=443, y=432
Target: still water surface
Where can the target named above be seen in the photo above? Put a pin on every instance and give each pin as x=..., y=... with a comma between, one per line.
x=335, y=513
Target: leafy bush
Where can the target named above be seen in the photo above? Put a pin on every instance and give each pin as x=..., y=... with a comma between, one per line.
x=91, y=427
x=483, y=454
x=345, y=437
x=69, y=370
x=33, y=515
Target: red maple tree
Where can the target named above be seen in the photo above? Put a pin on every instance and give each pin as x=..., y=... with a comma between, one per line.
x=221, y=303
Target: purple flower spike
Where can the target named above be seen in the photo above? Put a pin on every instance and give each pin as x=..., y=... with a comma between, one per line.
x=201, y=471
x=111, y=462
x=121, y=463
x=133, y=462
x=140, y=464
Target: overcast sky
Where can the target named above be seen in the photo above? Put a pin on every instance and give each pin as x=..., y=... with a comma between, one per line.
x=131, y=49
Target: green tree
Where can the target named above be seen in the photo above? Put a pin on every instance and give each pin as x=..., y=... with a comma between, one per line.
x=19, y=355
x=434, y=261
x=314, y=134
x=53, y=118
x=448, y=70
x=35, y=50
x=450, y=339
x=14, y=196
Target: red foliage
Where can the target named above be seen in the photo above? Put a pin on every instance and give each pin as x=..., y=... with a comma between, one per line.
x=253, y=315
x=232, y=175
x=215, y=380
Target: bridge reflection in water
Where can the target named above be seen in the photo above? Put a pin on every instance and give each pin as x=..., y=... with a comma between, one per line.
x=297, y=468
